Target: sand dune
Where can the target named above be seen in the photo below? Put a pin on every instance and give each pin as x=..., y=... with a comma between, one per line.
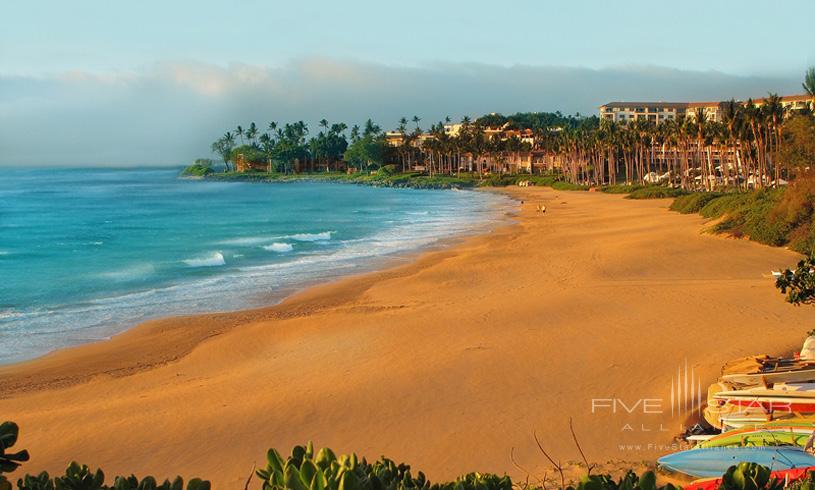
x=446, y=363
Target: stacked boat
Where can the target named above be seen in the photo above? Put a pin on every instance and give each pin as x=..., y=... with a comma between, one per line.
x=764, y=408
x=762, y=389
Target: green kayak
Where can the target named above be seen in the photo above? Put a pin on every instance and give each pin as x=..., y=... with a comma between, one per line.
x=760, y=437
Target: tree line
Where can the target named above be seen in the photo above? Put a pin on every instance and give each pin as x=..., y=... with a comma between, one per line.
x=435, y=151
x=750, y=146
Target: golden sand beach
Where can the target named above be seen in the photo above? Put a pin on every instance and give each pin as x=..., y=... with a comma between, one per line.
x=590, y=311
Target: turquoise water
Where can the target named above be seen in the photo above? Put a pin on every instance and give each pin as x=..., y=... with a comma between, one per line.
x=86, y=253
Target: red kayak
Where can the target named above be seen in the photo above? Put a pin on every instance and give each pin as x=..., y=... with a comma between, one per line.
x=781, y=405
x=785, y=475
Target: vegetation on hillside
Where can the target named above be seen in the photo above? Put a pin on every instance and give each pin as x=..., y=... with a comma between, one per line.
x=778, y=217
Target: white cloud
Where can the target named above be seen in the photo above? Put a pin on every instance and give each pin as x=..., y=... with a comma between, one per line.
x=168, y=113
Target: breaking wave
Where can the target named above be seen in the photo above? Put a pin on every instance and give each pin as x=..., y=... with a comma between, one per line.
x=312, y=237
x=279, y=247
x=215, y=259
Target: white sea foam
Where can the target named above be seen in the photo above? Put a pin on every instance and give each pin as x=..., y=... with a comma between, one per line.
x=135, y=271
x=214, y=259
x=248, y=240
x=312, y=237
x=279, y=247
x=8, y=313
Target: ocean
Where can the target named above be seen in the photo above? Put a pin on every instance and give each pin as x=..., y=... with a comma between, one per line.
x=87, y=253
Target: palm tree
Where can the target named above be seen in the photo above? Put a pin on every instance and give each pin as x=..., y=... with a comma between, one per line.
x=809, y=84
x=774, y=114
x=252, y=132
x=416, y=120
x=401, y=149
x=240, y=132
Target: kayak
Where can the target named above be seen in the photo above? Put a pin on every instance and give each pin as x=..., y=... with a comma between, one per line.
x=793, y=398
x=775, y=404
x=780, y=390
x=780, y=436
x=765, y=370
x=788, y=374
x=752, y=418
x=786, y=476
x=714, y=461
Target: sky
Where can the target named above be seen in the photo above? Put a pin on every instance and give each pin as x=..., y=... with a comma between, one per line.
x=106, y=82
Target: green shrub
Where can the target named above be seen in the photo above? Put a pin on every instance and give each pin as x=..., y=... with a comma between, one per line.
x=9, y=461
x=693, y=202
x=749, y=476
x=477, y=481
x=630, y=481
x=718, y=207
x=568, y=186
x=198, y=169
x=620, y=188
x=77, y=477
x=777, y=217
x=749, y=214
x=386, y=170
x=306, y=470
x=655, y=192
x=80, y=477
x=545, y=180
x=497, y=181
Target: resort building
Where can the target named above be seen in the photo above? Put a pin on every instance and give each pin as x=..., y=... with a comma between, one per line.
x=791, y=102
x=712, y=110
x=394, y=138
x=656, y=112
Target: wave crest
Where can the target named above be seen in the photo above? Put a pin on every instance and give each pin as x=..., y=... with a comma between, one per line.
x=312, y=237
x=214, y=259
x=279, y=247
x=135, y=271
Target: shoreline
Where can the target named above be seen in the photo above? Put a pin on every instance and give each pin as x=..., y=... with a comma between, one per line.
x=386, y=244
x=508, y=332
x=157, y=329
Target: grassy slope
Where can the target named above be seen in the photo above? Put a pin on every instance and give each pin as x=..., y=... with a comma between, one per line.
x=778, y=217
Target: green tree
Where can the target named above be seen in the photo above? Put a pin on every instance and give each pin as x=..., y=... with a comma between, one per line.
x=799, y=143
x=291, y=146
x=223, y=147
x=799, y=285
x=366, y=150
x=252, y=133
